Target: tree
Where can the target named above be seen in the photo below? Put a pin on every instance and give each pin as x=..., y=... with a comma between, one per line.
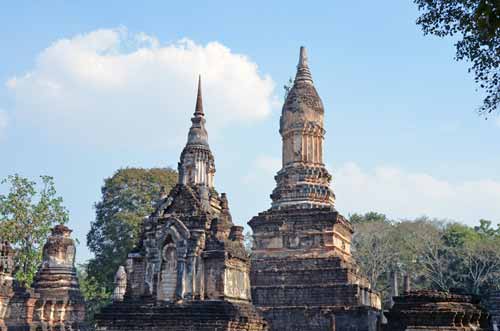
x=436, y=254
x=481, y=264
x=478, y=24
x=374, y=250
x=476, y=252
x=486, y=229
x=368, y=218
x=127, y=197
x=96, y=295
x=432, y=259
x=27, y=214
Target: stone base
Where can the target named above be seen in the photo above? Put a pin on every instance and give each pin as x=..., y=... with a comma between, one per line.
x=191, y=316
x=318, y=294
x=41, y=326
x=426, y=310
x=322, y=318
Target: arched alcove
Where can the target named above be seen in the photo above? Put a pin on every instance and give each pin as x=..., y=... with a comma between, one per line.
x=172, y=251
x=168, y=272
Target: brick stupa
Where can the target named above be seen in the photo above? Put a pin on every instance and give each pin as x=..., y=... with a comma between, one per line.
x=303, y=276
x=55, y=301
x=190, y=270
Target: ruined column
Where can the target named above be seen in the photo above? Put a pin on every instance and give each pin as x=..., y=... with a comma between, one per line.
x=199, y=281
x=394, y=287
x=181, y=275
x=190, y=276
x=406, y=283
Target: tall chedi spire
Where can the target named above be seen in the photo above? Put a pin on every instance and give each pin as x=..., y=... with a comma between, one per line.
x=189, y=269
x=303, y=181
x=196, y=166
x=303, y=275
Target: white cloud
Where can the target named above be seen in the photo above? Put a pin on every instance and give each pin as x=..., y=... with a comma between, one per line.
x=113, y=87
x=398, y=193
x=402, y=194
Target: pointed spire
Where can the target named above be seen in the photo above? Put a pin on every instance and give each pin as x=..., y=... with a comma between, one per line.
x=199, y=101
x=197, y=133
x=302, y=58
x=303, y=72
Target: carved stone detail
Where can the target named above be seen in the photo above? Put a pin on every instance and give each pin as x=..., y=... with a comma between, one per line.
x=190, y=256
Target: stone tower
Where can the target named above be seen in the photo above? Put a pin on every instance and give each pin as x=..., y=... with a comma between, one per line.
x=55, y=301
x=303, y=276
x=60, y=304
x=190, y=270
x=303, y=181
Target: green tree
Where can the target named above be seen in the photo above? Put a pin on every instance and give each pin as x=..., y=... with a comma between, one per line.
x=476, y=256
x=368, y=218
x=27, y=214
x=477, y=23
x=127, y=197
x=96, y=295
x=486, y=229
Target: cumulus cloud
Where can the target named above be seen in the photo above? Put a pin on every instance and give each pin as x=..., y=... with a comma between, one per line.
x=402, y=194
x=113, y=87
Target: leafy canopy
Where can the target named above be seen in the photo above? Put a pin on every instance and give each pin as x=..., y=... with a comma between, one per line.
x=477, y=22
x=27, y=213
x=127, y=197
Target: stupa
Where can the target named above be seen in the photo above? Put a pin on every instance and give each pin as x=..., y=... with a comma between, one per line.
x=303, y=275
x=190, y=270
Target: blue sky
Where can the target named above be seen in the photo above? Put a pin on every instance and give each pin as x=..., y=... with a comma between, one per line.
x=89, y=87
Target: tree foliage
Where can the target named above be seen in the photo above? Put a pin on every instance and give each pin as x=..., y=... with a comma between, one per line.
x=436, y=254
x=478, y=24
x=127, y=197
x=27, y=213
x=96, y=295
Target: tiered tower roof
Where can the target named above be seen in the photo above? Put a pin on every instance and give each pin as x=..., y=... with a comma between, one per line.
x=303, y=181
x=196, y=166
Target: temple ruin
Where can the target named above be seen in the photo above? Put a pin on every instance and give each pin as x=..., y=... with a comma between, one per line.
x=303, y=275
x=54, y=302
x=6, y=281
x=190, y=270
x=433, y=311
